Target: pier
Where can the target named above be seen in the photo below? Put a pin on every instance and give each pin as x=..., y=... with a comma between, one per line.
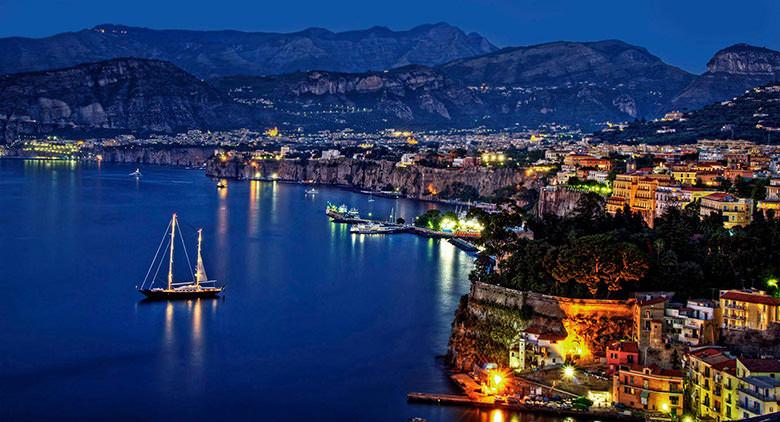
x=489, y=403
x=338, y=217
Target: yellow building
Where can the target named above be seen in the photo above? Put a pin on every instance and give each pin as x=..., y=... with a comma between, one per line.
x=772, y=201
x=748, y=310
x=638, y=192
x=684, y=176
x=759, y=387
x=649, y=388
x=712, y=374
x=735, y=211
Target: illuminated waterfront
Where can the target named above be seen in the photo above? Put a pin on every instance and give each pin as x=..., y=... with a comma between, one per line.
x=316, y=323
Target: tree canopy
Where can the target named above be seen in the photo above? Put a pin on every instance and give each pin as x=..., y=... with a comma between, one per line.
x=594, y=254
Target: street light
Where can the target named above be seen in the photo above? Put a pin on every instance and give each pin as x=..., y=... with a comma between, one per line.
x=568, y=371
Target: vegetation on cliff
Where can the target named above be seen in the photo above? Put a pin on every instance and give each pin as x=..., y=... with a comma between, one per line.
x=592, y=254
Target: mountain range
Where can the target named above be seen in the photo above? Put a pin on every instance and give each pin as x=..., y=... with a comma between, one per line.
x=208, y=54
x=432, y=76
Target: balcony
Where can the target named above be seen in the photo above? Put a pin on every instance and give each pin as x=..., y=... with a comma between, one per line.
x=757, y=395
x=752, y=410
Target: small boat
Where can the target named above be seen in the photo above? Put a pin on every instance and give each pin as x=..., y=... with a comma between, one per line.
x=136, y=173
x=371, y=199
x=311, y=191
x=372, y=228
x=353, y=213
x=199, y=287
x=221, y=185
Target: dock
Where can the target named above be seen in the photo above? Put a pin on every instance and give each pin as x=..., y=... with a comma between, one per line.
x=338, y=217
x=488, y=403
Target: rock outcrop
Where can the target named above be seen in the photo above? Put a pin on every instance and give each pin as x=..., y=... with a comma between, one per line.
x=490, y=319
x=120, y=95
x=414, y=181
x=731, y=72
x=559, y=201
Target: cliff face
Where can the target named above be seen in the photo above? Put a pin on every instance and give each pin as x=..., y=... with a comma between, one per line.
x=164, y=155
x=490, y=319
x=118, y=95
x=729, y=73
x=558, y=201
x=414, y=181
x=410, y=94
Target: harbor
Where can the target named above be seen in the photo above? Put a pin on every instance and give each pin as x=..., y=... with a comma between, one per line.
x=351, y=216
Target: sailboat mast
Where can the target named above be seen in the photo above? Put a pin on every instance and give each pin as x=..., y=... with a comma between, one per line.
x=199, y=267
x=170, y=262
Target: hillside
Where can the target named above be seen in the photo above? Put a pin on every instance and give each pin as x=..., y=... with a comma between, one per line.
x=755, y=116
x=730, y=72
x=119, y=95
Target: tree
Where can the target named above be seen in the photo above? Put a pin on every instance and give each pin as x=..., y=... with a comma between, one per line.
x=600, y=263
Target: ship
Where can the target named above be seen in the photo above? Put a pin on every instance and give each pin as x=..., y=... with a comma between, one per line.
x=373, y=228
x=199, y=287
x=136, y=173
x=311, y=191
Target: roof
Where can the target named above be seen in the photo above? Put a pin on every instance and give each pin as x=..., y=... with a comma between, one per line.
x=652, y=301
x=763, y=381
x=750, y=298
x=654, y=370
x=761, y=365
x=625, y=347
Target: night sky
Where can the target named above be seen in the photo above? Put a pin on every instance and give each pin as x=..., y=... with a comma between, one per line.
x=681, y=32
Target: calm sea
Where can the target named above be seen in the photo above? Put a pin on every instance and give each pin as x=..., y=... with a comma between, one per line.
x=316, y=323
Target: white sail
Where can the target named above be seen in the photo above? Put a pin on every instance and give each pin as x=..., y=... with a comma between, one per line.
x=200, y=270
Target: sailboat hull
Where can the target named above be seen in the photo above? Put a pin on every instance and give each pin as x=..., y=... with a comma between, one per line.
x=162, y=294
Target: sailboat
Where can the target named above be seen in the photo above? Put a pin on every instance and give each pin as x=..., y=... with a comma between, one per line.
x=199, y=287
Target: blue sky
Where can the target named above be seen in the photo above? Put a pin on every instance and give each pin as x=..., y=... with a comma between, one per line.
x=682, y=32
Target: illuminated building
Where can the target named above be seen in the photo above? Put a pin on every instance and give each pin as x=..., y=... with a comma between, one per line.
x=649, y=321
x=649, y=388
x=684, y=176
x=695, y=324
x=735, y=211
x=638, y=192
x=759, y=387
x=621, y=353
x=748, y=310
x=712, y=374
x=772, y=201
x=587, y=161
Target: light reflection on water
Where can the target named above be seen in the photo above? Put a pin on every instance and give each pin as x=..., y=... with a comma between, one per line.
x=314, y=319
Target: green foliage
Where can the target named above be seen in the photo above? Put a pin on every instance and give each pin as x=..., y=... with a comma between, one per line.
x=594, y=254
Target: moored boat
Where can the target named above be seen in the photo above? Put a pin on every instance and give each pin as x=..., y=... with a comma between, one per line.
x=199, y=287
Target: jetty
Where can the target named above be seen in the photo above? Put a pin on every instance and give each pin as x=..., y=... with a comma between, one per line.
x=490, y=403
x=459, y=239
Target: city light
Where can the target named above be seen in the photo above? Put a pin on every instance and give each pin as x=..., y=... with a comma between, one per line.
x=568, y=371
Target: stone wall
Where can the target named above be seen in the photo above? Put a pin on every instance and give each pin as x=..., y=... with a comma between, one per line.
x=594, y=323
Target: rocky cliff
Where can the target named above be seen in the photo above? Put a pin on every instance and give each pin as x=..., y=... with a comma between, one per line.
x=220, y=53
x=556, y=200
x=158, y=155
x=490, y=318
x=120, y=95
x=414, y=181
x=729, y=73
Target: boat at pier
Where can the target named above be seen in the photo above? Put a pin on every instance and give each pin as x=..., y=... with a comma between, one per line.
x=199, y=287
x=373, y=228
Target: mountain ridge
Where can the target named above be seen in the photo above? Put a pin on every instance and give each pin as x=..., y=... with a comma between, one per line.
x=228, y=52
